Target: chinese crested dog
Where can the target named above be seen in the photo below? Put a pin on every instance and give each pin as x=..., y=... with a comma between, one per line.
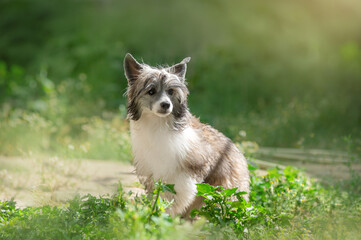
x=172, y=145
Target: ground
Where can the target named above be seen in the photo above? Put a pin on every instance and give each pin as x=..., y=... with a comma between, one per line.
x=37, y=181
x=40, y=181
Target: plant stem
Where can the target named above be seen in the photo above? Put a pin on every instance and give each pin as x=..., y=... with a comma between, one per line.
x=155, y=203
x=223, y=212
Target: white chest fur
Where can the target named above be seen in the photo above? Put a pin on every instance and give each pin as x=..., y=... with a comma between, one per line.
x=159, y=150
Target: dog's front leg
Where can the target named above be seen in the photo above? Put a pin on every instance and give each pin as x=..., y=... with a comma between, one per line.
x=186, y=189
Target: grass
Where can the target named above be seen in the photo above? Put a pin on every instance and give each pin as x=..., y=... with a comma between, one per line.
x=287, y=73
x=27, y=133
x=284, y=204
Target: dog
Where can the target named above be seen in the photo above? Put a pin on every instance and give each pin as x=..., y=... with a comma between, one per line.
x=170, y=144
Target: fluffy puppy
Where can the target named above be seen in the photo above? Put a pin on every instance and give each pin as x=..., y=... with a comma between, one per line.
x=170, y=144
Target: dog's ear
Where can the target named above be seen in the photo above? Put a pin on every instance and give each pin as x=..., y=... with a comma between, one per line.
x=131, y=68
x=180, y=69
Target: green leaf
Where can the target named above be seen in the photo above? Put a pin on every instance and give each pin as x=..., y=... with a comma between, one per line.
x=229, y=192
x=251, y=167
x=274, y=172
x=204, y=188
x=194, y=213
x=169, y=188
x=237, y=204
x=240, y=193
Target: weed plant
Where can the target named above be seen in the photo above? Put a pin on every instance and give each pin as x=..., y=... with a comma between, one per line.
x=284, y=204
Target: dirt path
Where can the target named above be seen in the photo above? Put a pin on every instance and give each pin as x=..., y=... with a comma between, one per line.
x=41, y=181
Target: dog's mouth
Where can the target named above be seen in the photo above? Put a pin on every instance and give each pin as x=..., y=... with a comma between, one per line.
x=163, y=113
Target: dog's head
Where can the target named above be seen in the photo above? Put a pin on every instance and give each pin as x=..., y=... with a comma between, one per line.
x=161, y=91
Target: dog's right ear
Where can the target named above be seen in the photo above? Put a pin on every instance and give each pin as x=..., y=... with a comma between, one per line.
x=180, y=68
x=131, y=68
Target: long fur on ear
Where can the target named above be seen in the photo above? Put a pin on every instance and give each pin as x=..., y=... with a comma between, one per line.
x=131, y=68
x=180, y=69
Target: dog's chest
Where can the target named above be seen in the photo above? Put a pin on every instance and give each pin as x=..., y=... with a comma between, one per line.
x=159, y=151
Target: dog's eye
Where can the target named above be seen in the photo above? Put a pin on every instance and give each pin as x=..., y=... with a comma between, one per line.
x=170, y=91
x=151, y=92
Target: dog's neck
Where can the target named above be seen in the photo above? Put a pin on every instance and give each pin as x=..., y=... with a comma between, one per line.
x=149, y=121
x=155, y=123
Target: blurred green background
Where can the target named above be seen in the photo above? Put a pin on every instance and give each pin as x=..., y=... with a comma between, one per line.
x=280, y=73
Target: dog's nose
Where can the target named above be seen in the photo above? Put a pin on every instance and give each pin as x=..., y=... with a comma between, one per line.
x=165, y=105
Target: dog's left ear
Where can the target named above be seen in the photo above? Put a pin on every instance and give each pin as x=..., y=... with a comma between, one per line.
x=180, y=69
x=131, y=68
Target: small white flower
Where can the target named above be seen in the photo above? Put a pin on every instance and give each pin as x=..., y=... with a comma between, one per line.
x=242, y=133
